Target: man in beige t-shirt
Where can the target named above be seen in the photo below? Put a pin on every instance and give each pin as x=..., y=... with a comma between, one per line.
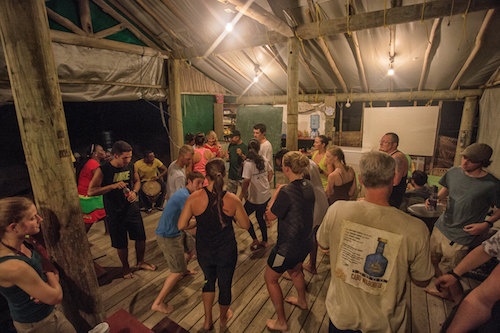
x=373, y=247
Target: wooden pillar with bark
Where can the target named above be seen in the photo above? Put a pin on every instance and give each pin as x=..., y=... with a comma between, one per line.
x=33, y=78
x=292, y=119
x=466, y=127
x=174, y=108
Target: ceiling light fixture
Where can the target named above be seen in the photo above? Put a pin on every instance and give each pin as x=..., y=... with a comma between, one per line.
x=229, y=27
x=390, y=72
x=348, y=103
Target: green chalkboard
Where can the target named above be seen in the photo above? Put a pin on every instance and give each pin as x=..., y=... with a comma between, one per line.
x=272, y=117
x=197, y=113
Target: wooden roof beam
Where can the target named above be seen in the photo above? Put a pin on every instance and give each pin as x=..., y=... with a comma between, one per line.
x=161, y=22
x=64, y=22
x=128, y=16
x=262, y=16
x=111, y=12
x=110, y=31
x=475, y=50
x=240, y=72
x=73, y=39
x=425, y=65
x=424, y=95
x=85, y=19
x=311, y=74
x=375, y=19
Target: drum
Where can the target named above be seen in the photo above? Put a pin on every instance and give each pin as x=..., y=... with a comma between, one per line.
x=151, y=189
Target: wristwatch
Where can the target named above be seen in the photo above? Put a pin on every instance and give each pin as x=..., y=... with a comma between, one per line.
x=455, y=275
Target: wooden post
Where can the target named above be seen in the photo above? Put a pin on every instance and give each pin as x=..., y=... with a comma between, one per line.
x=42, y=124
x=174, y=109
x=465, y=134
x=292, y=119
x=219, y=120
x=330, y=102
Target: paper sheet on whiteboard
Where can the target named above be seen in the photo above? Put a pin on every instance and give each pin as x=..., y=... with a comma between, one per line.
x=415, y=126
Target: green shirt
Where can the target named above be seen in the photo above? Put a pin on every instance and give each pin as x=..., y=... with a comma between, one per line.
x=235, y=161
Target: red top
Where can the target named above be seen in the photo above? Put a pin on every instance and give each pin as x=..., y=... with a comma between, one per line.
x=86, y=176
x=213, y=149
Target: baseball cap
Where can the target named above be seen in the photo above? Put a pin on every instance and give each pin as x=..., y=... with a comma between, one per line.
x=478, y=153
x=235, y=133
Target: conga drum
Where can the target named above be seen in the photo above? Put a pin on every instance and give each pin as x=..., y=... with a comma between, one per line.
x=152, y=190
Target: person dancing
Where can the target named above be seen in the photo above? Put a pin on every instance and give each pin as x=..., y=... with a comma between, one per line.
x=216, y=249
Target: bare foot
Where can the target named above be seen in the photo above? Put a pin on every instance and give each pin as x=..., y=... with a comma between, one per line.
x=162, y=307
x=208, y=326
x=128, y=275
x=146, y=266
x=295, y=301
x=274, y=325
x=224, y=321
x=263, y=245
x=309, y=268
x=189, y=272
x=255, y=244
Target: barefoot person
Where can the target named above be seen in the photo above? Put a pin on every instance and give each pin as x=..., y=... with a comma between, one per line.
x=257, y=173
x=215, y=210
x=293, y=206
x=114, y=180
x=30, y=286
x=176, y=245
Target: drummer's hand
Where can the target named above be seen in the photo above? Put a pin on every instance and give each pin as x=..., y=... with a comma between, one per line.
x=132, y=196
x=477, y=228
x=119, y=185
x=427, y=204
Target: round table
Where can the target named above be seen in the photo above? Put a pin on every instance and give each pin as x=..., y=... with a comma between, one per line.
x=428, y=216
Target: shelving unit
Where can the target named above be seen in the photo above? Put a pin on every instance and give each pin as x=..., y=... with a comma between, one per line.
x=229, y=120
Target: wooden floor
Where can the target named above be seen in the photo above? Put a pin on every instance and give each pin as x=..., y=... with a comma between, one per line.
x=250, y=299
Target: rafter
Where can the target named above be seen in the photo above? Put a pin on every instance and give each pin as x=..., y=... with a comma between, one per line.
x=475, y=50
x=375, y=19
x=278, y=88
x=128, y=16
x=64, y=22
x=85, y=19
x=161, y=22
x=240, y=72
x=368, y=97
x=111, y=12
x=262, y=16
x=73, y=39
x=311, y=74
x=425, y=65
x=110, y=31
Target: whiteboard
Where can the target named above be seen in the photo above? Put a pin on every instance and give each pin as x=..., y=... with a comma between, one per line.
x=415, y=125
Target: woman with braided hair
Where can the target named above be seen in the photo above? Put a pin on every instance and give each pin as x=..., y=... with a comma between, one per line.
x=215, y=210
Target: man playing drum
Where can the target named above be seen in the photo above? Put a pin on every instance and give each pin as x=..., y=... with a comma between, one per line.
x=150, y=171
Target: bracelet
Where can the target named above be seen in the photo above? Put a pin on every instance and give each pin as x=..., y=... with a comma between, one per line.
x=455, y=275
x=489, y=223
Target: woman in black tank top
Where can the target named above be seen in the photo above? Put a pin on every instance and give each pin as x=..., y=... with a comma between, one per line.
x=215, y=210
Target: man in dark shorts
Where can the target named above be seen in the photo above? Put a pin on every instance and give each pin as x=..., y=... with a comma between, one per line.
x=114, y=180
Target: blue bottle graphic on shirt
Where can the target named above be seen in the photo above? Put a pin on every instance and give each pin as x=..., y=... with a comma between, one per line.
x=376, y=263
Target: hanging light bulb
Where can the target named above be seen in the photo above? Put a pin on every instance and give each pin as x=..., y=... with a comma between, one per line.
x=256, y=79
x=390, y=72
x=348, y=103
x=229, y=27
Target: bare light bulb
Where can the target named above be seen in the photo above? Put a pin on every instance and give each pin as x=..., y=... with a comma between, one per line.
x=348, y=103
x=256, y=79
x=390, y=72
x=229, y=27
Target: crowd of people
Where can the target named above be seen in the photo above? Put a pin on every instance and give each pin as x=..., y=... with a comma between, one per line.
x=374, y=246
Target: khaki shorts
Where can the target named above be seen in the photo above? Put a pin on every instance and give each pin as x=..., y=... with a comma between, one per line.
x=173, y=250
x=54, y=322
x=232, y=185
x=445, y=252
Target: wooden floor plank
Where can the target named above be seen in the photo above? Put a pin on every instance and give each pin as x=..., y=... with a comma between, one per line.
x=250, y=299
